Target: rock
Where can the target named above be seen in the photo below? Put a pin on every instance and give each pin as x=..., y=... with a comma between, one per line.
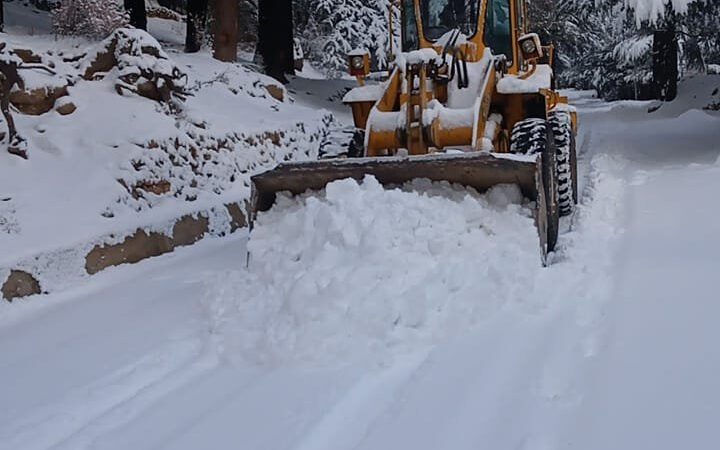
x=276, y=92
x=141, y=245
x=38, y=101
x=27, y=56
x=188, y=230
x=102, y=62
x=20, y=284
x=157, y=188
x=133, y=249
x=146, y=70
x=237, y=216
x=66, y=108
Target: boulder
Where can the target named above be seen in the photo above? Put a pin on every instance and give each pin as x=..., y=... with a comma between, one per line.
x=276, y=92
x=20, y=284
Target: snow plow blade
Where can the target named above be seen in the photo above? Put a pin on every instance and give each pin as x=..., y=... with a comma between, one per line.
x=474, y=170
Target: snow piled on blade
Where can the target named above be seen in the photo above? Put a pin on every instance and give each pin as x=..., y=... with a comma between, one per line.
x=358, y=271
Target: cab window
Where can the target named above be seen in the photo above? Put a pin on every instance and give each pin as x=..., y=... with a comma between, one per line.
x=410, y=38
x=442, y=16
x=498, y=28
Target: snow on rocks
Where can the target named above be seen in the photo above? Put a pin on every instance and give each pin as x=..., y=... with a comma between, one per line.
x=142, y=67
x=359, y=270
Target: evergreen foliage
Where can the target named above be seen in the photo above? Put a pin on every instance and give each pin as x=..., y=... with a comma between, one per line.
x=607, y=45
x=91, y=18
x=328, y=29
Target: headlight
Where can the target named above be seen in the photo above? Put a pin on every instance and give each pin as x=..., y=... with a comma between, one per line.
x=357, y=62
x=528, y=47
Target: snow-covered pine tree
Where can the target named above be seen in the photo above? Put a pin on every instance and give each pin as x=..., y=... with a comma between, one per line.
x=329, y=29
x=599, y=46
x=699, y=35
x=91, y=18
x=248, y=23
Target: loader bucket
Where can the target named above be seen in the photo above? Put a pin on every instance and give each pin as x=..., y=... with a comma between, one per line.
x=479, y=171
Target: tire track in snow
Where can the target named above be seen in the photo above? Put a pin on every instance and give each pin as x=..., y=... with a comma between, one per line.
x=342, y=426
x=74, y=422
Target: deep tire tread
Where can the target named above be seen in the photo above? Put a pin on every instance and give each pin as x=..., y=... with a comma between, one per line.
x=530, y=137
x=561, y=126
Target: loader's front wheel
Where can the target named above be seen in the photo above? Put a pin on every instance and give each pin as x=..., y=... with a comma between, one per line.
x=532, y=137
x=356, y=148
x=561, y=124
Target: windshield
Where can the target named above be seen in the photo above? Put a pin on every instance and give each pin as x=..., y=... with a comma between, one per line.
x=410, y=38
x=441, y=16
x=498, y=31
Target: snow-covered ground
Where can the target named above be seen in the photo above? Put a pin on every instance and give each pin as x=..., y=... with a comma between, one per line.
x=367, y=319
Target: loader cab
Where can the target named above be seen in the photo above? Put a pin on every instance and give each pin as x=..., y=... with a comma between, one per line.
x=486, y=23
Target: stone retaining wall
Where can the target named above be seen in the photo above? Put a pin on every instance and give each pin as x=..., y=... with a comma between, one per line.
x=21, y=280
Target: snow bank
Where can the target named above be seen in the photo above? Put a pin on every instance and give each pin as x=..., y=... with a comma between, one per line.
x=361, y=271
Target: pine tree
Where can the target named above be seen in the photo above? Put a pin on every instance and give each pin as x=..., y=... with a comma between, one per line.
x=249, y=22
x=196, y=22
x=329, y=29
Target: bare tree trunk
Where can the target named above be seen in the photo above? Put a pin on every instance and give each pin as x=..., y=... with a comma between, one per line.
x=665, y=62
x=2, y=15
x=226, y=30
x=276, y=37
x=138, y=15
x=196, y=21
x=17, y=145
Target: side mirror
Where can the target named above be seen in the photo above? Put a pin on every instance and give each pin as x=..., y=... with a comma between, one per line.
x=530, y=47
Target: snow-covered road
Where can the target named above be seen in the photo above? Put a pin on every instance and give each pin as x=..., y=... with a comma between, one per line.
x=654, y=384
x=611, y=347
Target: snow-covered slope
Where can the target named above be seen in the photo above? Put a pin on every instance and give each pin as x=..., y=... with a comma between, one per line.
x=119, y=162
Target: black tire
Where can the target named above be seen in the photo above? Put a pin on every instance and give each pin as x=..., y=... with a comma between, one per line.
x=356, y=148
x=561, y=125
x=574, y=167
x=343, y=143
x=532, y=137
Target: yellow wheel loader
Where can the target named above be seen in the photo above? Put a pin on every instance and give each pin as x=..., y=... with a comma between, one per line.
x=469, y=100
